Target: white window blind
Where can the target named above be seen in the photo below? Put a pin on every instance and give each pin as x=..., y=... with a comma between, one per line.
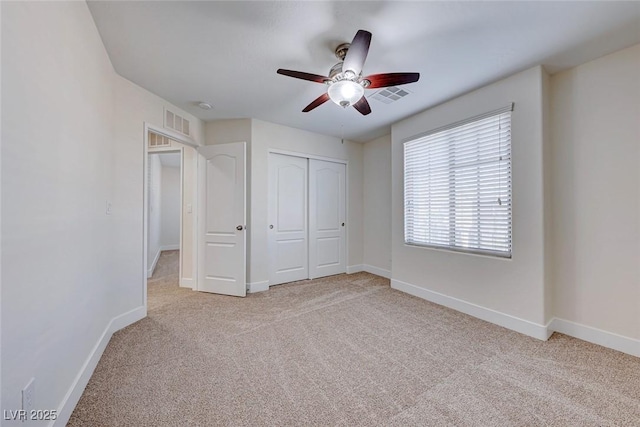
x=457, y=186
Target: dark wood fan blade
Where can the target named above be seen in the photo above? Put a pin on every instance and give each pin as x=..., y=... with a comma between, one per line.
x=362, y=106
x=304, y=76
x=391, y=79
x=316, y=102
x=357, y=53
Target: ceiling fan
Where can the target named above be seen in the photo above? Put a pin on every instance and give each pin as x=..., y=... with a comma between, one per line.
x=345, y=81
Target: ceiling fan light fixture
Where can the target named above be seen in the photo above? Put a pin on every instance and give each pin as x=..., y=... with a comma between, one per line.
x=345, y=80
x=345, y=92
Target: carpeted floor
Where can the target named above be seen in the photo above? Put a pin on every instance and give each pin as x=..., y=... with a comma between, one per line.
x=344, y=350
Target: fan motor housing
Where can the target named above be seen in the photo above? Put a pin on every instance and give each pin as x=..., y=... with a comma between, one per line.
x=341, y=50
x=335, y=70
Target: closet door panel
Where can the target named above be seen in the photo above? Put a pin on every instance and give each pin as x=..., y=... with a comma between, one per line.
x=327, y=216
x=288, y=219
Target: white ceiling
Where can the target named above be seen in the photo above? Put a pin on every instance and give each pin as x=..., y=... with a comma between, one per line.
x=227, y=53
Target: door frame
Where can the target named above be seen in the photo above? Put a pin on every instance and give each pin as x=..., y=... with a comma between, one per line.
x=346, y=190
x=145, y=191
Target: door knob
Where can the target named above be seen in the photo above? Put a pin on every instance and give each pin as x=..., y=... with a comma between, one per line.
x=239, y=228
x=271, y=227
x=343, y=224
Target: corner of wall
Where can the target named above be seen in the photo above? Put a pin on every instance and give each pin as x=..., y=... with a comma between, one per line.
x=228, y=130
x=377, y=205
x=547, y=195
x=81, y=380
x=595, y=282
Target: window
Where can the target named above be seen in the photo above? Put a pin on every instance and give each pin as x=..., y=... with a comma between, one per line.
x=457, y=186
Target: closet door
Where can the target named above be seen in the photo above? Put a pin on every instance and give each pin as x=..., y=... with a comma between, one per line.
x=327, y=216
x=288, y=226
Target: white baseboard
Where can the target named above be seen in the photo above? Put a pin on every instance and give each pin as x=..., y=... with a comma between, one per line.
x=170, y=247
x=153, y=264
x=186, y=282
x=525, y=327
x=354, y=269
x=82, y=379
x=258, y=286
x=596, y=336
x=377, y=271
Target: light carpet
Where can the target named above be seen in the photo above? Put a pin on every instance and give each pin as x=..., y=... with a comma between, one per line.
x=345, y=350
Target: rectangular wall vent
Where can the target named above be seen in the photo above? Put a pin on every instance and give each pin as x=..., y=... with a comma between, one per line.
x=389, y=94
x=177, y=122
x=157, y=140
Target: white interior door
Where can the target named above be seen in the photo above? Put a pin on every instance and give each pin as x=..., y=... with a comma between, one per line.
x=221, y=219
x=327, y=216
x=288, y=243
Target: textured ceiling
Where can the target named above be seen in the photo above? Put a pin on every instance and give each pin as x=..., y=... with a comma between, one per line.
x=227, y=53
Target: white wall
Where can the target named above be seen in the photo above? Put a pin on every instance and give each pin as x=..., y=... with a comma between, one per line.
x=510, y=291
x=595, y=171
x=57, y=174
x=0, y=210
x=170, y=207
x=154, y=232
x=72, y=140
x=377, y=205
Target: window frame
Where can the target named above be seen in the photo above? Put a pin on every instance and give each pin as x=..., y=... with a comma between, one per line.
x=505, y=255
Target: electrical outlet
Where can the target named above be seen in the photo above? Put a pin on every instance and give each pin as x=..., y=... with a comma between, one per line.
x=108, y=207
x=29, y=396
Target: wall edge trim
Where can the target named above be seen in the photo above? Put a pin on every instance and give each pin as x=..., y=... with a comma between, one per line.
x=354, y=268
x=508, y=321
x=73, y=395
x=186, y=282
x=596, y=336
x=377, y=271
x=152, y=267
x=258, y=286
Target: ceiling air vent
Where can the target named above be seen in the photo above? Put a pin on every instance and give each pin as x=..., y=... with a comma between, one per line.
x=176, y=122
x=389, y=94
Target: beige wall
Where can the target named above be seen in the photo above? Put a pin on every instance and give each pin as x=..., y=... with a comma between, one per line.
x=57, y=174
x=71, y=141
x=225, y=131
x=595, y=167
x=512, y=287
x=377, y=204
x=170, y=204
x=576, y=225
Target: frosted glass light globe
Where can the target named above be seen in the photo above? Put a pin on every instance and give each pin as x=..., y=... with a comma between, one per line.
x=345, y=92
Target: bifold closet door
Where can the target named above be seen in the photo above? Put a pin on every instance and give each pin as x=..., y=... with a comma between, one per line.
x=288, y=224
x=327, y=216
